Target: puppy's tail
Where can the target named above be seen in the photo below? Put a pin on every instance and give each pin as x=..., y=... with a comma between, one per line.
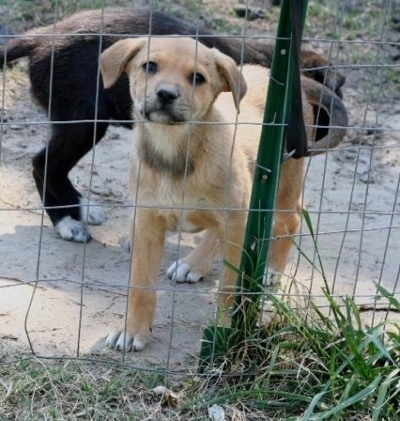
x=330, y=116
x=14, y=49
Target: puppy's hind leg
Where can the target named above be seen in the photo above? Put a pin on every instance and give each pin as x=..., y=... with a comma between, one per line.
x=286, y=218
x=63, y=203
x=286, y=225
x=233, y=249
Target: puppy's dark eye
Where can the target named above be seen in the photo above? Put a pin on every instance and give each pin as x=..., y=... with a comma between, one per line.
x=150, y=67
x=197, y=79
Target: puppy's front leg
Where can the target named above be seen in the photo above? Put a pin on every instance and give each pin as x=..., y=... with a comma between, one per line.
x=147, y=247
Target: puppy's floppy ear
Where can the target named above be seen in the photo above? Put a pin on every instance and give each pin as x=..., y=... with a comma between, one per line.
x=113, y=60
x=233, y=80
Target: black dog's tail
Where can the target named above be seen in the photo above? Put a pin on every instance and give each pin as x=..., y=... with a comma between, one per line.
x=14, y=49
x=330, y=116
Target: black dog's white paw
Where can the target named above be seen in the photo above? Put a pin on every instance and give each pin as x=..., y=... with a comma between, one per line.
x=91, y=214
x=70, y=229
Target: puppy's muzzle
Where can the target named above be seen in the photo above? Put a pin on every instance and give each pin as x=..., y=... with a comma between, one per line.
x=165, y=105
x=167, y=94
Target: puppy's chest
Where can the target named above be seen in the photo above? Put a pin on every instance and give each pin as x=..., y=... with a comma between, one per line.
x=183, y=206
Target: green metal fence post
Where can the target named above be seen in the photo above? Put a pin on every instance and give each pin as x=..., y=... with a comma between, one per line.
x=265, y=184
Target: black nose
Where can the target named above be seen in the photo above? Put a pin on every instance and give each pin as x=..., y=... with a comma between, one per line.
x=167, y=95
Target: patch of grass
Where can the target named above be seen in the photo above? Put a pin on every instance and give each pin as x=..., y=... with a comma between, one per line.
x=36, y=389
x=393, y=75
x=24, y=14
x=346, y=21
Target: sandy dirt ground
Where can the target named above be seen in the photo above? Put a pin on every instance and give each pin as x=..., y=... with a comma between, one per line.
x=62, y=298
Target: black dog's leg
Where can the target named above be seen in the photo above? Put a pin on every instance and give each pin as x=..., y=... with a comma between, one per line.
x=63, y=203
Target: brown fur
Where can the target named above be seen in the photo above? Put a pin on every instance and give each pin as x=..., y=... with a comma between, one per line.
x=212, y=191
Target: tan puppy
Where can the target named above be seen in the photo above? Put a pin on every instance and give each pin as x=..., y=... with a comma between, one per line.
x=190, y=171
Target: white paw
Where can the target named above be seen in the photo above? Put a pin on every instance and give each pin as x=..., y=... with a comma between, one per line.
x=182, y=272
x=91, y=214
x=126, y=342
x=72, y=230
x=271, y=277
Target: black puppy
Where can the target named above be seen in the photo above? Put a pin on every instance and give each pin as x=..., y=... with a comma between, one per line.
x=65, y=80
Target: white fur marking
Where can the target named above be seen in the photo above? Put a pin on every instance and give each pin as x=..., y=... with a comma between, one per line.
x=112, y=338
x=271, y=277
x=178, y=271
x=124, y=341
x=90, y=213
x=194, y=277
x=72, y=230
x=171, y=271
x=182, y=272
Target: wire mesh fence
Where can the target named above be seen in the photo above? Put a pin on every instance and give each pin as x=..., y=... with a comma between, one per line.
x=61, y=298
